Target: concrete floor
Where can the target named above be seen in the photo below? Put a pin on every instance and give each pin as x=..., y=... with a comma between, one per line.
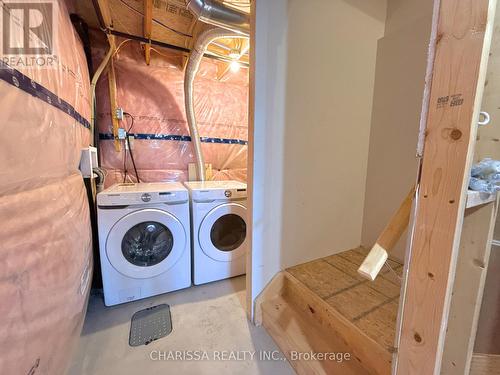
x=209, y=319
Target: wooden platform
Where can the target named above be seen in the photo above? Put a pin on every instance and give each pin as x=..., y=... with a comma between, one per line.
x=324, y=306
x=370, y=306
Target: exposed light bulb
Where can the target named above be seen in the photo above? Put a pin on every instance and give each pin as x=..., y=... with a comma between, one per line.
x=234, y=66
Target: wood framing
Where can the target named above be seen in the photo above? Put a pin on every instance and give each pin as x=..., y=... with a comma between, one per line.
x=485, y=364
x=461, y=37
x=148, y=21
x=112, y=102
x=105, y=11
x=108, y=20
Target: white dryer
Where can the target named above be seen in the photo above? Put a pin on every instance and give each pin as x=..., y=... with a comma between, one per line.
x=219, y=229
x=144, y=240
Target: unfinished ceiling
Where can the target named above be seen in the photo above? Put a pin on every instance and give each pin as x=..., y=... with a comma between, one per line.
x=162, y=23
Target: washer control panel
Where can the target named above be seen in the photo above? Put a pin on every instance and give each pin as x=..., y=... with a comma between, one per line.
x=119, y=197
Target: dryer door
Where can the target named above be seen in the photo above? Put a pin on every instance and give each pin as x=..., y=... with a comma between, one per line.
x=145, y=243
x=223, y=232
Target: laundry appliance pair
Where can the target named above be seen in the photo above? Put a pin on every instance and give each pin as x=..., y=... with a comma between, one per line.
x=155, y=238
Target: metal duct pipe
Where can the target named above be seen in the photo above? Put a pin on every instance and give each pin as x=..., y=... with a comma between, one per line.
x=202, y=42
x=218, y=14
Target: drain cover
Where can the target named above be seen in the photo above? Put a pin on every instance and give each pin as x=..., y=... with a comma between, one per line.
x=150, y=324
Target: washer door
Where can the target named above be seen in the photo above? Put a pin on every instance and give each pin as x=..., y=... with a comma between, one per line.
x=223, y=232
x=145, y=243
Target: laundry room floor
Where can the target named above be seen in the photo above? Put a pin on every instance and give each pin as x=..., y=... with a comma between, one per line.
x=209, y=321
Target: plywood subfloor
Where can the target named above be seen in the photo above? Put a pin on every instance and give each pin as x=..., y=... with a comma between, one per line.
x=371, y=306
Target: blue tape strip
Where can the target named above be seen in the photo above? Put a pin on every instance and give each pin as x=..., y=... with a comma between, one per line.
x=22, y=82
x=181, y=138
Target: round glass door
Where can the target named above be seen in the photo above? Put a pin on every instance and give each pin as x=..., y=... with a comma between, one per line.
x=222, y=233
x=228, y=232
x=147, y=244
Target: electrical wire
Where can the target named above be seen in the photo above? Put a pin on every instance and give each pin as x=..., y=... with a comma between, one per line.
x=124, y=164
x=155, y=20
x=129, y=147
x=120, y=46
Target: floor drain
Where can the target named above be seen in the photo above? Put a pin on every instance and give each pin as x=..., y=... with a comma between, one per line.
x=149, y=325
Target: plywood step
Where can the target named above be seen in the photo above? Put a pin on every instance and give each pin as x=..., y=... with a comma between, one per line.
x=299, y=337
x=372, y=306
x=485, y=364
x=300, y=321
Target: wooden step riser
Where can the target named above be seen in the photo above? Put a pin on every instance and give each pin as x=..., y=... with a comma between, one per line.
x=375, y=358
x=300, y=321
x=295, y=334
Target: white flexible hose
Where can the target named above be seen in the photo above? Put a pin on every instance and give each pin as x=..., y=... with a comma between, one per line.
x=192, y=67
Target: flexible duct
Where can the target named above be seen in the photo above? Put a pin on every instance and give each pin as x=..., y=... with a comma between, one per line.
x=218, y=14
x=192, y=67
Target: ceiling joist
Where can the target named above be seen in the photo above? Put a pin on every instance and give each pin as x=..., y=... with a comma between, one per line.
x=148, y=24
x=161, y=23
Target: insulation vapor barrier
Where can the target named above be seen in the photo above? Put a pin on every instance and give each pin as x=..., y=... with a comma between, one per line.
x=45, y=275
x=45, y=236
x=154, y=96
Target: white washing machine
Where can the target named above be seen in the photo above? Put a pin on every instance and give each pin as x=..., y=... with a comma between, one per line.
x=219, y=230
x=144, y=240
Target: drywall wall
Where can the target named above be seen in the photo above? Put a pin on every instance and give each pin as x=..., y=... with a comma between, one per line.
x=266, y=151
x=403, y=13
x=488, y=145
x=332, y=46
x=397, y=105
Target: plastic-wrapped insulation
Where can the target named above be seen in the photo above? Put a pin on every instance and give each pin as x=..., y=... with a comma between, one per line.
x=202, y=42
x=160, y=137
x=45, y=236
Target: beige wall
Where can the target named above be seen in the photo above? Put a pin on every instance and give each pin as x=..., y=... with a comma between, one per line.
x=401, y=14
x=332, y=46
x=316, y=63
x=266, y=154
x=399, y=86
x=488, y=145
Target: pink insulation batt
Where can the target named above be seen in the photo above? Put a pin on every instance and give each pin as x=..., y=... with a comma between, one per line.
x=154, y=96
x=45, y=235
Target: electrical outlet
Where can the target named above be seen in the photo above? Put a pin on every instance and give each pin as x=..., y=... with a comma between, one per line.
x=119, y=113
x=122, y=134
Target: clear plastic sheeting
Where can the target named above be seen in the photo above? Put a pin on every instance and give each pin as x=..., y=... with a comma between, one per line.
x=66, y=75
x=154, y=96
x=41, y=142
x=45, y=276
x=485, y=176
x=45, y=236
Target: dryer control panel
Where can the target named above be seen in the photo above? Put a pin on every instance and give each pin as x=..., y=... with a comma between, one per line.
x=219, y=194
x=217, y=190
